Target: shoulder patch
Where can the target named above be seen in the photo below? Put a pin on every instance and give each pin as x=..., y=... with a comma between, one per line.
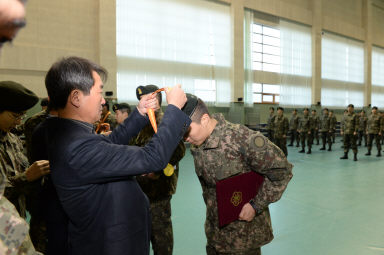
x=259, y=142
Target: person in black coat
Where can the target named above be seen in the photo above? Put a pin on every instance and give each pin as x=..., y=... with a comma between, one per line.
x=94, y=174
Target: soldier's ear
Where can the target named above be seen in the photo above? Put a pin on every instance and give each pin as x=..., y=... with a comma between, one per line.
x=205, y=120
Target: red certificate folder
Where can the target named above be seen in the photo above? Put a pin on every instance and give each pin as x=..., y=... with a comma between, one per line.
x=233, y=193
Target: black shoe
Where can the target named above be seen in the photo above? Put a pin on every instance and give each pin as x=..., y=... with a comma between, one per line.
x=297, y=145
x=378, y=154
x=329, y=149
x=359, y=144
x=309, y=152
x=290, y=145
x=302, y=151
x=322, y=148
x=355, y=157
x=345, y=156
x=368, y=153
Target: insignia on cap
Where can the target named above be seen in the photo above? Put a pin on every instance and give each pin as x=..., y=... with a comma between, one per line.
x=140, y=92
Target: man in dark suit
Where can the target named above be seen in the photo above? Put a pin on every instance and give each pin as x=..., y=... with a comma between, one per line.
x=93, y=174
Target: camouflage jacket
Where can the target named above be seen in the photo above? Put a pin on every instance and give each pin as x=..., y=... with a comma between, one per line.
x=294, y=122
x=163, y=186
x=325, y=123
x=363, y=123
x=332, y=123
x=230, y=150
x=110, y=119
x=281, y=126
x=14, y=237
x=13, y=164
x=374, y=124
x=29, y=126
x=351, y=123
x=316, y=122
x=271, y=119
x=306, y=123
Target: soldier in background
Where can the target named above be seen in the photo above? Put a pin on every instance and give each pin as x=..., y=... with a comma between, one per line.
x=220, y=150
x=382, y=127
x=373, y=131
x=305, y=127
x=326, y=129
x=122, y=112
x=270, y=127
x=107, y=121
x=281, y=128
x=349, y=132
x=158, y=187
x=333, y=122
x=362, y=128
x=293, y=125
x=315, y=130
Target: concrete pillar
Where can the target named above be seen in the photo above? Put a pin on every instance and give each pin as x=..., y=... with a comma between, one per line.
x=237, y=18
x=367, y=25
x=317, y=23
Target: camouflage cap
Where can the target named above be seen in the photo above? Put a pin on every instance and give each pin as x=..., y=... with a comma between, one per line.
x=15, y=97
x=144, y=90
x=190, y=105
x=120, y=106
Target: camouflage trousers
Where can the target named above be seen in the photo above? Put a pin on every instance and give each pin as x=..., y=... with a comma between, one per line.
x=294, y=137
x=376, y=137
x=315, y=134
x=350, y=142
x=361, y=136
x=38, y=234
x=304, y=136
x=212, y=251
x=271, y=135
x=326, y=137
x=162, y=232
x=281, y=142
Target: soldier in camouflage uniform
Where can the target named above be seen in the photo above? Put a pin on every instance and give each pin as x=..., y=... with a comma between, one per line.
x=349, y=132
x=333, y=122
x=325, y=129
x=270, y=122
x=293, y=126
x=15, y=174
x=158, y=187
x=281, y=128
x=362, y=128
x=220, y=150
x=305, y=127
x=373, y=131
x=106, y=118
x=382, y=127
x=316, y=123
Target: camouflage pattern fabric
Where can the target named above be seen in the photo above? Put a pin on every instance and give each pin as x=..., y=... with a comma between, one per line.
x=362, y=130
x=372, y=137
x=14, y=238
x=333, y=122
x=351, y=125
x=374, y=127
x=293, y=126
x=326, y=127
x=29, y=126
x=159, y=191
x=306, y=124
x=281, y=127
x=315, y=128
x=269, y=127
x=212, y=251
x=230, y=150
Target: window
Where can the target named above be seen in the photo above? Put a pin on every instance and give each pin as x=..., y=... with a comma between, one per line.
x=171, y=42
x=265, y=48
x=266, y=93
x=377, y=77
x=342, y=71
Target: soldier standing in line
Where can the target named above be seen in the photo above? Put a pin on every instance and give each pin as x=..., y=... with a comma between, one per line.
x=271, y=119
x=221, y=150
x=373, y=131
x=305, y=127
x=293, y=125
x=349, y=132
x=281, y=128
x=362, y=128
x=325, y=129
x=315, y=130
x=333, y=122
x=382, y=127
x=158, y=187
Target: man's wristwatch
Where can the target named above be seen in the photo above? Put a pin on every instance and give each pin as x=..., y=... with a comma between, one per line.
x=257, y=210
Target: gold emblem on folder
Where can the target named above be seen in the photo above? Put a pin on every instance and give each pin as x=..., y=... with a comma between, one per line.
x=236, y=198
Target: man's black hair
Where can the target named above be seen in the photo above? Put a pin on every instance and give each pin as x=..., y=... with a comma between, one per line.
x=69, y=74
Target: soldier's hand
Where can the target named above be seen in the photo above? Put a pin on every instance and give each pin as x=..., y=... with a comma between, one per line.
x=309, y=132
x=341, y=133
x=354, y=133
x=37, y=170
x=147, y=101
x=176, y=96
x=247, y=213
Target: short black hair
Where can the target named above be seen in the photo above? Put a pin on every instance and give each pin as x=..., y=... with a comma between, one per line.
x=69, y=74
x=326, y=109
x=313, y=110
x=375, y=107
x=280, y=108
x=305, y=109
x=363, y=111
x=271, y=108
x=200, y=109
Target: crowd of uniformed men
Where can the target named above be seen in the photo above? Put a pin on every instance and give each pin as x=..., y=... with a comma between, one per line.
x=356, y=129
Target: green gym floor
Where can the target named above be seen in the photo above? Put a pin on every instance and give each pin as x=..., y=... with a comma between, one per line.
x=331, y=207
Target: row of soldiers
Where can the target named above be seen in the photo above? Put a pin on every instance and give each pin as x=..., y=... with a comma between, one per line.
x=310, y=127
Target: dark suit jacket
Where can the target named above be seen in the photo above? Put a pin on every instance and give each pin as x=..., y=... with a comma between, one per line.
x=93, y=176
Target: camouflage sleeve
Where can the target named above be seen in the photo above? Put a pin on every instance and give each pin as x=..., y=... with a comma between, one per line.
x=286, y=126
x=311, y=123
x=357, y=121
x=265, y=158
x=178, y=154
x=299, y=124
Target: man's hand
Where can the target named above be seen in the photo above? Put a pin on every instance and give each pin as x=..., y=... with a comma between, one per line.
x=247, y=213
x=147, y=101
x=37, y=170
x=355, y=133
x=176, y=96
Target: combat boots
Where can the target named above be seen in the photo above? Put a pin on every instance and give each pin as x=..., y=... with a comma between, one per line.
x=309, y=151
x=378, y=153
x=322, y=148
x=302, y=150
x=345, y=156
x=368, y=153
x=330, y=147
x=355, y=157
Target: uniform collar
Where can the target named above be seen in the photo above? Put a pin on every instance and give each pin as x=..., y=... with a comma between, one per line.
x=213, y=140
